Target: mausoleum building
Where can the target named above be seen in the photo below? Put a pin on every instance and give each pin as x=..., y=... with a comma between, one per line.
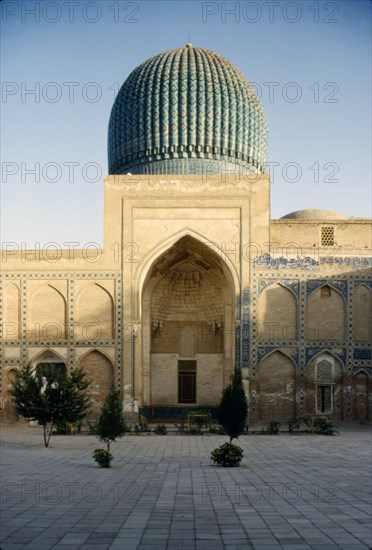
x=194, y=277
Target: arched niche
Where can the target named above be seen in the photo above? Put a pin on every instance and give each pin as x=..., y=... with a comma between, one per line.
x=47, y=317
x=100, y=372
x=48, y=357
x=95, y=314
x=276, y=388
x=363, y=313
x=277, y=313
x=324, y=386
x=9, y=412
x=12, y=311
x=325, y=315
x=361, y=396
x=188, y=292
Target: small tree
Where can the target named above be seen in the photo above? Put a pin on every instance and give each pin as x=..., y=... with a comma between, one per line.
x=232, y=414
x=50, y=396
x=233, y=409
x=111, y=424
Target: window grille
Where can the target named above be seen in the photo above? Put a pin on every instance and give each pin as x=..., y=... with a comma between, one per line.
x=324, y=371
x=187, y=343
x=327, y=236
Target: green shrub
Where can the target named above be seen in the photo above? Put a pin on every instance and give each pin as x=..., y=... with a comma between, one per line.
x=92, y=428
x=103, y=458
x=324, y=426
x=195, y=429
x=139, y=428
x=63, y=428
x=272, y=429
x=217, y=429
x=161, y=429
x=143, y=423
x=227, y=455
x=182, y=428
x=294, y=424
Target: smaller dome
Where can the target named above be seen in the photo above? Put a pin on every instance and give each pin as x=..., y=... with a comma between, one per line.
x=314, y=214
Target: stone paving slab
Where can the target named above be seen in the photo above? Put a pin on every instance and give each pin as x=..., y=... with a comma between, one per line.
x=293, y=492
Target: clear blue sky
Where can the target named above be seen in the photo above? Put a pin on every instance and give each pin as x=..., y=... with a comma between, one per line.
x=76, y=56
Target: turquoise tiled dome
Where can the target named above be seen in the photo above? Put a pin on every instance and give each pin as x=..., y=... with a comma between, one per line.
x=184, y=108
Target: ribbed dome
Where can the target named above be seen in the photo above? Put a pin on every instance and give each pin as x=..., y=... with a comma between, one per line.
x=184, y=108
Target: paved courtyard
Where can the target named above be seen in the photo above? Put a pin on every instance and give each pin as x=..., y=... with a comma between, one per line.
x=293, y=492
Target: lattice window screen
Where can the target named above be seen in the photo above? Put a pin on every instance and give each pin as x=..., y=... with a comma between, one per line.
x=187, y=343
x=324, y=371
x=327, y=236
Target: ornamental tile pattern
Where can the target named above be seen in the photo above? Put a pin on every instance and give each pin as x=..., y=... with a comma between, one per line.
x=267, y=261
x=363, y=353
x=366, y=283
x=182, y=109
x=289, y=283
x=312, y=352
x=341, y=286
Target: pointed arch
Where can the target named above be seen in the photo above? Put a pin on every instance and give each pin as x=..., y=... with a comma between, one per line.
x=325, y=314
x=363, y=313
x=325, y=396
x=98, y=350
x=100, y=371
x=47, y=355
x=207, y=248
x=277, y=313
x=95, y=313
x=12, y=311
x=361, y=394
x=186, y=284
x=47, y=318
x=276, y=377
x=281, y=352
x=10, y=414
x=324, y=353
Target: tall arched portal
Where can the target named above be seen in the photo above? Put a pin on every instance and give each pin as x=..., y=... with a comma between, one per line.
x=187, y=329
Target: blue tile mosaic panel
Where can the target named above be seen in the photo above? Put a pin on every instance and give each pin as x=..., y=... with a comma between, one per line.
x=341, y=286
x=363, y=354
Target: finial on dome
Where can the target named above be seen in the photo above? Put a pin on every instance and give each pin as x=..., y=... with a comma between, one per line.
x=189, y=45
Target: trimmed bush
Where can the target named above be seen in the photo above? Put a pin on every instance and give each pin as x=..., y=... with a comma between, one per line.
x=324, y=426
x=227, y=455
x=161, y=429
x=103, y=458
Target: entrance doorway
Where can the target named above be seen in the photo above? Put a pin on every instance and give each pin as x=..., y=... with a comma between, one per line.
x=187, y=381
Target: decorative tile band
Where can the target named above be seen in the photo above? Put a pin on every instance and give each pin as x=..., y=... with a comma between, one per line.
x=362, y=353
x=289, y=283
x=312, y=352
x=312, y=285
x=357, y=263
x=367, y=370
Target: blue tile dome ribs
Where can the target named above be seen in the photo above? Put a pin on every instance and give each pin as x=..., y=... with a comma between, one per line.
x=182, y=109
